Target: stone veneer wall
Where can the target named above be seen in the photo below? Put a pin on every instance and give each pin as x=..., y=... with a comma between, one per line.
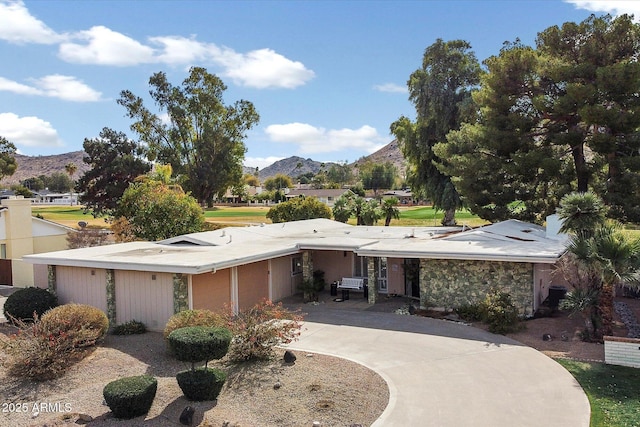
x=622, y=351
x=51, y=278
x=180, y=293
x=451, y=283
x=111, y=296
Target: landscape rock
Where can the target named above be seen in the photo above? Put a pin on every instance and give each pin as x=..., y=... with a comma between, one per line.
x=546, y=337
x=289, y=357
x=186, y=417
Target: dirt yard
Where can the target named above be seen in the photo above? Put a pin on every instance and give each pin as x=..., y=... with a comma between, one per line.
x=316, y=388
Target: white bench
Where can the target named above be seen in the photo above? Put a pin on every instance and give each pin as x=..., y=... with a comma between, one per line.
x=352, y=283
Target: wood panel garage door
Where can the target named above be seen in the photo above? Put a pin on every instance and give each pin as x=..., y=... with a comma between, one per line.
x=82, y=286
x=143, y=296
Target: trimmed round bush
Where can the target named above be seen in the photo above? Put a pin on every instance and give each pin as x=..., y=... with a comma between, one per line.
x=193, y=318
x=85, y=324
x=130, y=397
x=202, y=383
x=199, y=343
x=24, y=302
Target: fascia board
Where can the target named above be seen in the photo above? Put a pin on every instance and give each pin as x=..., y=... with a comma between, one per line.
x=460, y=256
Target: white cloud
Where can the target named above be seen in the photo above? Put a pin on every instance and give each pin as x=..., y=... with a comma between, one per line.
x=105, y=47
x=55, y=86
x=67, y=88
x=260, y=162
x=180, y=50
x=28, y=131
x=17, y=25
x=311, y=139
x=263, y=68
x=614, y=7
x=391, y=88
x=15, y=87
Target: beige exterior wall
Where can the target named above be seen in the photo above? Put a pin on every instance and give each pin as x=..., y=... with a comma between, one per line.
x=49, y=243
x=141, y=297
x=335, y=264
x=211, y=291
x=395, y=276
x=80, y=285
x=253, y=284
x=283, y=282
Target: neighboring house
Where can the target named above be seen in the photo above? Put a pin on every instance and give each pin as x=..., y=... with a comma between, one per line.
x=51, y=198
x=328, y=196
x=444, y=267
x=22, y=234
x=405, y=197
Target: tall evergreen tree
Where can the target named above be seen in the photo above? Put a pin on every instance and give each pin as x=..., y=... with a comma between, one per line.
x=441, y=93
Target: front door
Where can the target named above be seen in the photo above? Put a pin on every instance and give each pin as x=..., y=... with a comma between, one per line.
x=412, y=277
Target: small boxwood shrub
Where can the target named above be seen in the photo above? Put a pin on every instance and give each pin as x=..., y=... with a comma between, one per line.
x=193, y=318
x=132, y=327
x=130, y=397
x=201, y=383
x=84, y=324
x=500, y=313
x=471, y=312
x=199, y=343
x=24, y=302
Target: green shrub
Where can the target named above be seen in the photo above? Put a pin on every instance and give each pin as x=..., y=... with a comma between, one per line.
x=132, y=327
x=38, y=354
x=500, y=313
x=199, y=343
x=130, y=397
x=85, y=325
x=257, y=330
x=24, y=302
x=193, y=318
x=471, y=312
x=202, y=383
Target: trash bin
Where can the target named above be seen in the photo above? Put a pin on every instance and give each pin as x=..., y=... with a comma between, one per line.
x=556, y=293
x=334, y=289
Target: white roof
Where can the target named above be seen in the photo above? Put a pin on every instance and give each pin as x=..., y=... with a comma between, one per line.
x=233, y=246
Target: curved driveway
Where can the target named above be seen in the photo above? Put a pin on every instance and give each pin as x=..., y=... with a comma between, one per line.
x=446, y=374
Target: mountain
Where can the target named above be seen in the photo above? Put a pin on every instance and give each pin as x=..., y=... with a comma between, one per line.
x=389, y=153
x=293, y=166
x=33, y=166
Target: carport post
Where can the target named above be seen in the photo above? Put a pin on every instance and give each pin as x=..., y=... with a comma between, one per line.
x=307, y=266
x=51, y=278
x=111, y=297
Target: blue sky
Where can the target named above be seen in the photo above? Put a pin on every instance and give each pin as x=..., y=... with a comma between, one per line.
x=327, y=77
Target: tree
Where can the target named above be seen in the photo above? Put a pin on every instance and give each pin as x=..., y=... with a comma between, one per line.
x=71, y=168
x=8, y=164
x=376, y=176
x=58, y=182
x=202, y=131
x=340, y=174
x=33, y=184
x=367, y=212
x=554, y=119
x=251, y=180
x=156, y=211
x=603, y=251
x=441, y=93
x=277, y=182
x=299, y=208
x=390, y=210
x=21, y=190
x=115, y=162
x=343, y=208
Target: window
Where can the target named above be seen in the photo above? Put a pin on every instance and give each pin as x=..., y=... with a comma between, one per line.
x=296, y=265
x=360, y=267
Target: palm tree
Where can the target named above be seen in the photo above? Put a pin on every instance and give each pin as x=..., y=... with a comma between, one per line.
x=602, y=249
x=71, y=168
x=390, y=210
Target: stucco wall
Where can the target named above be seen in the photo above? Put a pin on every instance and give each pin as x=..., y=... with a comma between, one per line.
x=211, y=291
x=451, y=283
x=50, y=243
x=253, y=284
x=335, y=264
x=395, y=276
x=283, y=283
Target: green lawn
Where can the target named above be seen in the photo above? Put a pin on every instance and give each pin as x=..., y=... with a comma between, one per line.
x=613, y=392
x=66, y=215
x=428, y=216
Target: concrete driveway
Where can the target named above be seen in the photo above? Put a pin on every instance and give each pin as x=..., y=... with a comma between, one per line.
x=442, y=373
